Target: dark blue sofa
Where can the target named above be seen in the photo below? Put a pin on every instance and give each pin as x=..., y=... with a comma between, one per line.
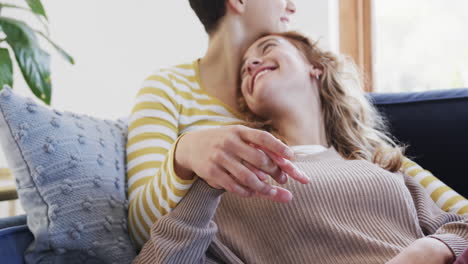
x=434, y=125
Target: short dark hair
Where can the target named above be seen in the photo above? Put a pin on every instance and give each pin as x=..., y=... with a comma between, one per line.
x=209, y=12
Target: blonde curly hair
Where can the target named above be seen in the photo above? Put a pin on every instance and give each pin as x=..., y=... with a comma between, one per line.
x=353, y=125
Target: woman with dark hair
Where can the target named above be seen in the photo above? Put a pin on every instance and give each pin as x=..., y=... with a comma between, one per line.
x=358, y=206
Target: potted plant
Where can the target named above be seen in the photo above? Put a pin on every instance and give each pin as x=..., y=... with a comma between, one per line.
x=19, y=38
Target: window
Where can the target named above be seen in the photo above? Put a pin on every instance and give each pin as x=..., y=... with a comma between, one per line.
x=356, y=35
x=420, y=45
x=406, y=45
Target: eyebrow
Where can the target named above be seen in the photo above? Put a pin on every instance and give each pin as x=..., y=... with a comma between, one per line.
x=259, y=47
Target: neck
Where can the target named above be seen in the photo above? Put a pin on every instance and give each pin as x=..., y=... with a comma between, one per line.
x=219, y=68
x=303, y=130
x=304, y=126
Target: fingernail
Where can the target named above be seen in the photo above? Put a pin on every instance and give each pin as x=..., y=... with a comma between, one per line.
x=303, y=175
x=273, y=192
x=282, y=178
x=306, y=178
x=280, y=160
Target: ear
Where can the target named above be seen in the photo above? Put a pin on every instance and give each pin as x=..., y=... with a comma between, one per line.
x=315, y=71
x=237, y=6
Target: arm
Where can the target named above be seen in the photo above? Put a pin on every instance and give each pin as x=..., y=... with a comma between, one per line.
x=454, y=202
x=161, y=165
x=185, y=234
x=154, y=187
x=446, y=233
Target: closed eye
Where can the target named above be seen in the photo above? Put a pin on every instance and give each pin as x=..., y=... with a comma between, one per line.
x=267, y=47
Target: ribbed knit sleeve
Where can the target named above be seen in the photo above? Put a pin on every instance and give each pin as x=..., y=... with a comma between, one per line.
x=153, y=133
x=184, y=235
x=450, y=228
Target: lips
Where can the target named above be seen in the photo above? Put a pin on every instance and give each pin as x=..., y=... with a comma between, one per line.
x=259, y=73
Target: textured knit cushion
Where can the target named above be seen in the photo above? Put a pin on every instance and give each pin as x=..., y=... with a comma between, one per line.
x=70, y=176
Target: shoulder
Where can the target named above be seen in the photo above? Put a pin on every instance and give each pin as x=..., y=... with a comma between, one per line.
x=185, y=72
x=170, y=78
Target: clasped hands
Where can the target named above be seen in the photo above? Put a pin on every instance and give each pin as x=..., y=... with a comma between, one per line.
x=238, y=159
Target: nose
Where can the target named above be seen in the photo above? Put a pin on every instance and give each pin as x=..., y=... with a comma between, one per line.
x=252, y=64
x=291, y=7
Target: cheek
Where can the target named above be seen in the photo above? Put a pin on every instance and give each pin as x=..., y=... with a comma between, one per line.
x=266, y=97
x=244, y=88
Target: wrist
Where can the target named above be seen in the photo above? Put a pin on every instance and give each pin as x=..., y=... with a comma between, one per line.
x=436, y=248
x=182, y=165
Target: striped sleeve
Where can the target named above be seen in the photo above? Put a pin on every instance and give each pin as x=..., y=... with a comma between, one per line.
x=449, y=228
x=445, y=197
x=153, y=186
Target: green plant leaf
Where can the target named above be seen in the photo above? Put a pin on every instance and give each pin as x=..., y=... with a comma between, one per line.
x=6, y=68
x=38, y=15
x=13, y=6
x=62, y=52
x=36, y=7
x=32, y=60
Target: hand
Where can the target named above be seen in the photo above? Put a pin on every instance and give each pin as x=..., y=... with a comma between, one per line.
x=424, y=251
x=229, y=158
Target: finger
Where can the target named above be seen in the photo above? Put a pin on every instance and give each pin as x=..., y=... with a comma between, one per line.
x=275, y=172
x=288, y=167
x=234, y=187
x=283, y=178
x=243, y=175
x=282, y=195
x=260, y=174
x=253, y=155
x=279, y=176
x=226, y=182
x=266, y=141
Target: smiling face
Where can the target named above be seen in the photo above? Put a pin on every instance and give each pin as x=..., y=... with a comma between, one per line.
x=264, y=16
x=275, y=77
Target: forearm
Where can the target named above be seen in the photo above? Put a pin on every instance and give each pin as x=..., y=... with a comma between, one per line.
x=156, y=196
x=185, y=233
x=449, y=229
x=425, y=251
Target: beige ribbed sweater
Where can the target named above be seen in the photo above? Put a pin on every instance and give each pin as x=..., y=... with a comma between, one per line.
x=350, y=212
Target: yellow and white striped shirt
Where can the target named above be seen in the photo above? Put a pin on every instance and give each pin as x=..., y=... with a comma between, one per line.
x=171, y=102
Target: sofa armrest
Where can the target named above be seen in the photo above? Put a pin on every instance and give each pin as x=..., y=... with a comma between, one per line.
x=14, y=241
x=11, y=221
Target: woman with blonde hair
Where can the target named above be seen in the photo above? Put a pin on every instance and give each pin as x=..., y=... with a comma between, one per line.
x=356, y=207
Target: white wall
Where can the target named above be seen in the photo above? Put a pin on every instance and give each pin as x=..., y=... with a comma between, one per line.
x=117, y=43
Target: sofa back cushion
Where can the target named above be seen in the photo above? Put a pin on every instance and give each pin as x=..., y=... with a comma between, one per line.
x=435, y=126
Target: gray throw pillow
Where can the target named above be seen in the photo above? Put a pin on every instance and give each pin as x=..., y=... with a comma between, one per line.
x=70, y=176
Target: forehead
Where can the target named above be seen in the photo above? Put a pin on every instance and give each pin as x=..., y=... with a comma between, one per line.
x=254, y=48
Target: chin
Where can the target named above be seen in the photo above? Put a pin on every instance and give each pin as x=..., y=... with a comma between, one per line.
x=265, y=109
x=281, y=29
